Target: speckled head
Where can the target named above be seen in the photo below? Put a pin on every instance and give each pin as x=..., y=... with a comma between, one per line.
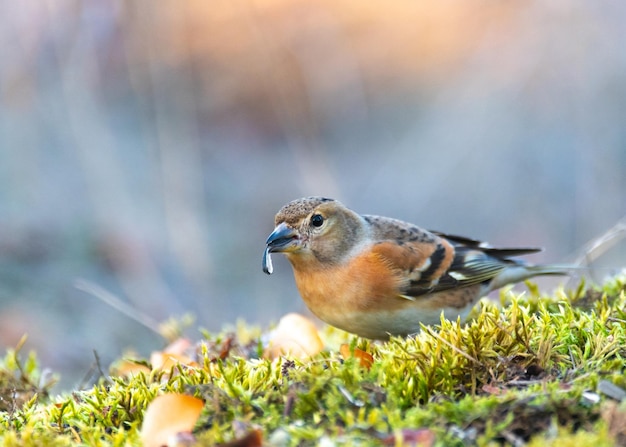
x=293, y=212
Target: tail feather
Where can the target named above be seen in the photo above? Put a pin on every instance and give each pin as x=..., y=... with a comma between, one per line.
x=518, y=272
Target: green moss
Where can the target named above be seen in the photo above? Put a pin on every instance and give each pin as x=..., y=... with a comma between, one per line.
x=527, y=371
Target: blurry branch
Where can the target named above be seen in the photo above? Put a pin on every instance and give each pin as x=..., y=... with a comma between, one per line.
x=172, y=122
x=108, y=177
x=174, y=176
x=117, y=304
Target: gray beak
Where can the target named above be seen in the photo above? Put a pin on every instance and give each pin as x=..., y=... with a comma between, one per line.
x=282, y=239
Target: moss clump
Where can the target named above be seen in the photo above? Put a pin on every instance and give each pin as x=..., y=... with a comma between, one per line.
x=538, y=370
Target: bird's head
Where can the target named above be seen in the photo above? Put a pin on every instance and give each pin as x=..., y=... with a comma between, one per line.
x=312, y=230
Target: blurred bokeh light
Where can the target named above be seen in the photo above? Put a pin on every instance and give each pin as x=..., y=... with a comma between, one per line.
x=145, y=146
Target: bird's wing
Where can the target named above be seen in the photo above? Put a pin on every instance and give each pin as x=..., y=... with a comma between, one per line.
x=432, y=261
x=469, y=267
x=462, y=241
x=438, y=264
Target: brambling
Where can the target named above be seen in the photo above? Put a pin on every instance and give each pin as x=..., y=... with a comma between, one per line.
x=377, y=276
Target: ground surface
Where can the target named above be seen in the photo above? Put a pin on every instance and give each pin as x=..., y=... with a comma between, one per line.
x=538, y=370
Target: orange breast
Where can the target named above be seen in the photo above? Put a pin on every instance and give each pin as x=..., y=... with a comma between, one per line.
x=367, y=282
x=363, y=297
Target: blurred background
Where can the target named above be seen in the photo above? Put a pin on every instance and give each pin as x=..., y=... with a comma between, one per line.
x=145, y=147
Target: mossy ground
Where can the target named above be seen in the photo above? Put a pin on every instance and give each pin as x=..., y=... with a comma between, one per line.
x=537, y=370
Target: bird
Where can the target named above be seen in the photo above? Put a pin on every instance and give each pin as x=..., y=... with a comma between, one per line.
x=378, y=277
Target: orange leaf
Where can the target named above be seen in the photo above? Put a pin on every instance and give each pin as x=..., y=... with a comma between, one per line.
x=494, y=390
x=128, y=367
x=178, y=346
x=167, y=416
x=422, y=437
x=252, y=439
x=365, y=358
x=165, y=360
x=296, y=336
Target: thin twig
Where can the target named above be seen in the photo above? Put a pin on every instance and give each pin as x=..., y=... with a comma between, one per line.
x=117, y=304
x=596, y=247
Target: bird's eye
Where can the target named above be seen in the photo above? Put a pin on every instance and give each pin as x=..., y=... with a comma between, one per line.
x=317, y=220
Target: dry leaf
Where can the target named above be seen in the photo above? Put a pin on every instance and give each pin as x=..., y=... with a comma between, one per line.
x=252, y=439
x=178, y=346
x=365, y=358
x=128, y=367
x=493, y=390
x=166, y=360
x=613, y=391
x=167, y=416
x=615, y=419
x=422, y=437
x=296, y=336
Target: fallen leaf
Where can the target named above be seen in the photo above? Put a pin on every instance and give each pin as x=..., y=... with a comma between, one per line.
x=166, y=360
x=365, y=358
x=493, y=390
x=613, y=391
x=422, y=437
x=167, y=416
x=129, y=367
x=178, y=346
x=294, y=336
x=615, y=419
x=252, y=439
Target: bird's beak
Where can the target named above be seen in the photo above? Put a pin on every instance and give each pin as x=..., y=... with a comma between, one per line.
x=282, y=239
